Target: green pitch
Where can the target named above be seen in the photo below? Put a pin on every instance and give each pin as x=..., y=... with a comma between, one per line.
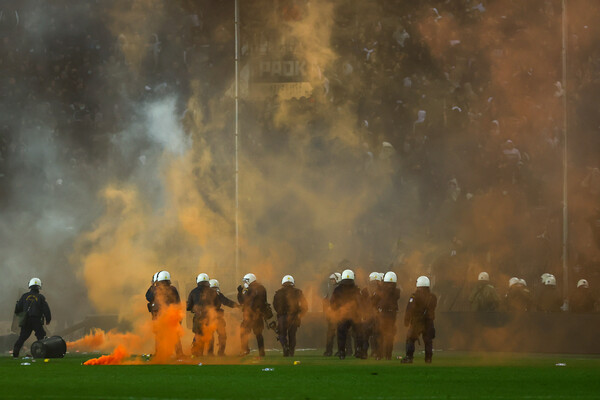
x=451, y=376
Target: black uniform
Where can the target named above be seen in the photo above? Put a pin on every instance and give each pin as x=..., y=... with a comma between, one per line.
x=420, y=313
x=549, y=299
x=290, y=306
x=202, y=302
x=387, y=305
x=150, y=299
x=582, y=301
x=254, y=310
x=331, y=323
x=518, y=298
x=370, y=320
x=484, y=297
x=222, y=300
x=36, y=309
x=159, y=296
x=345, y=303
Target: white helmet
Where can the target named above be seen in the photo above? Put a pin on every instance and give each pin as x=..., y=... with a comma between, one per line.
x=390, y=277
x=523, y=282
x=483, y=276
x=163, y=276
x=202, y=278
x=35, y=282
x=288, y=279
x=550, y=281
x=154, y=277
x=348, y=274
x=583, y=282
x=381, y=275
x=336, y=276
x=545, y=275
x=249, y=278
x=513, y=281
x=214, y=283
x=375, y=276
x=423, y=281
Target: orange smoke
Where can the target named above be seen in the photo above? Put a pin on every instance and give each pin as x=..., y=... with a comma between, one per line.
x=168, y=332
x=106, y=341
x=93, y=341
x=115, y=358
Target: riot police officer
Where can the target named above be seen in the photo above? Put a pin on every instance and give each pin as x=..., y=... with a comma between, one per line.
x=290, y=305
x=160, y=296
x=549, y=298
x=150, y=291
x=582, y=300
x=518, y=297
x=333, y=281
x=420, y=313
x=202, y=302
x=387, y=305
x=345, y=302
x=221, y=325
x=484, y=296
x=252, y=296
x=32, y=309
x=370, y=318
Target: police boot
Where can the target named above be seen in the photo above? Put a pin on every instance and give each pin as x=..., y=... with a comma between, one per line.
x=244, y=352
x=286, y=351
x=327, y=353
x=342, y=355
x=406, y=360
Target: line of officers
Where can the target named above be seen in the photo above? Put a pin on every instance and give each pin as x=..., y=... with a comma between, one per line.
x=205, y=302
x=547, y=298
x=367, y=315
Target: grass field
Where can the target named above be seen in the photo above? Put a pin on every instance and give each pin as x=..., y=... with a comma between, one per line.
x=451, y=376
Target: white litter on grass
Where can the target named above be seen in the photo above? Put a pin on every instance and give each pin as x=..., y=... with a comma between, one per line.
x=268, y=369
x=25, y=363
x=199, y=364
x=561, y=364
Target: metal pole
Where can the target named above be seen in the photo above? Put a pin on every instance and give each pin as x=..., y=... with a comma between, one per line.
x=565, y=153
x=237, y=170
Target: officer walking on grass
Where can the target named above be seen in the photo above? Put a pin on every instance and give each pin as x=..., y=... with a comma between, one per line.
x=387, y=305
x=252, y=297
x=290, y=305
x=160, y=296
x=32, y=309
x=202, y=302
x=420, y=313
x=334, y=280
x=345, y=303
x=370, y=321
x=221, y=327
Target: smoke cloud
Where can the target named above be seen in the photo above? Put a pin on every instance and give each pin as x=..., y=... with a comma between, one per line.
x=118, y=147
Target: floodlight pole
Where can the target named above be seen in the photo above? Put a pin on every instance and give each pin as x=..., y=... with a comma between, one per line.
x=237, y=132
x=565, y=153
